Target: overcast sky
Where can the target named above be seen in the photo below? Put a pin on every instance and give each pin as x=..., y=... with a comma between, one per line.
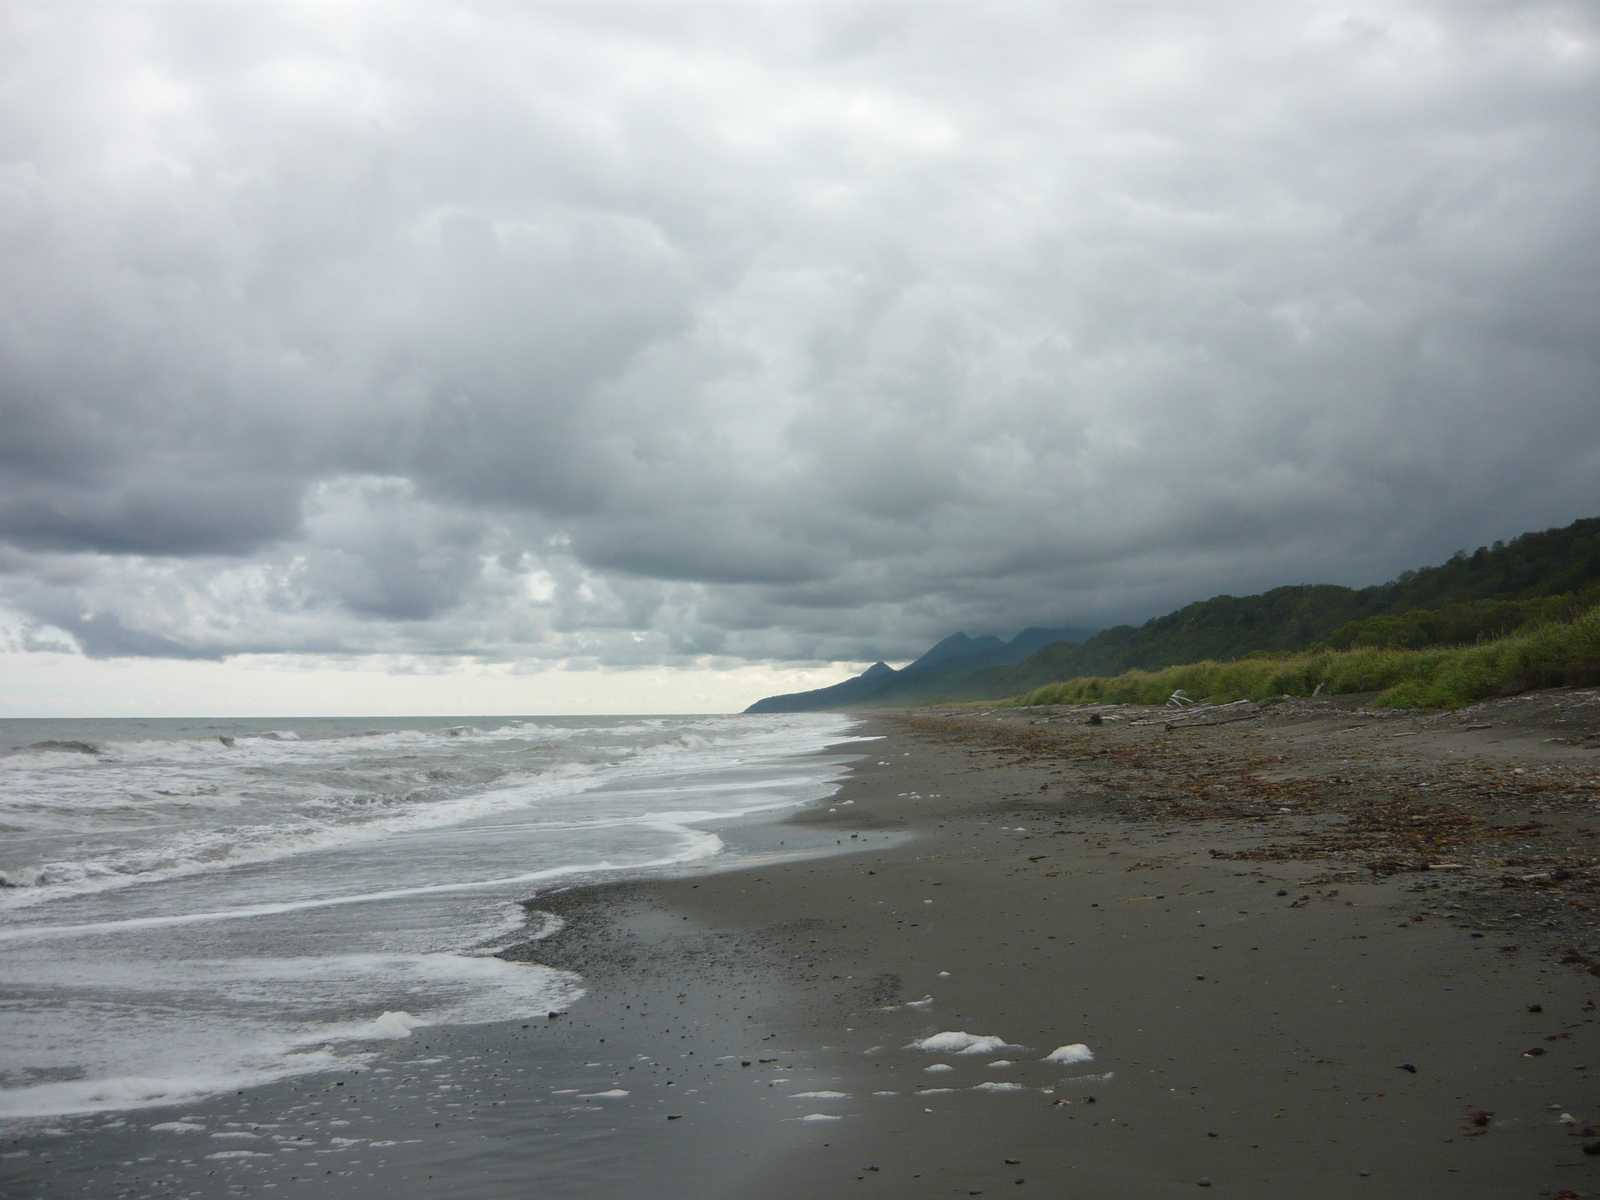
x=688, y=352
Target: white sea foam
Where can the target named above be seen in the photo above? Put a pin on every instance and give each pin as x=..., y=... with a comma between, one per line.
x=1075, y=1053
x=394, y=1025
x=204, y=917
x=821, y=1117
x=998, y=1087
x=954, y=1042
x=173, y=805
x=819, y=1095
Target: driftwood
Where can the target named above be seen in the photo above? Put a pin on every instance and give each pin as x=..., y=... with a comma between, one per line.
x=1189, y=715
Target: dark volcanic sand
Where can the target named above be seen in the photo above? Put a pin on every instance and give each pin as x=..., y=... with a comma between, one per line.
x=1254, y=1040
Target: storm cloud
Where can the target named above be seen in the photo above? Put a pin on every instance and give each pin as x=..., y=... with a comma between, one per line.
x=629, y=335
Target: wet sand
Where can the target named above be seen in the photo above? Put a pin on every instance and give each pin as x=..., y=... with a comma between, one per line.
x=1256, y=1016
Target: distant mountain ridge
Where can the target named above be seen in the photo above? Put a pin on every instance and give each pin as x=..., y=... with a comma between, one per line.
x=1537, y=566
x=956, y=655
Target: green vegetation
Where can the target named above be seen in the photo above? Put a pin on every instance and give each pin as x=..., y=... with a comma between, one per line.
x=1551, y=654
x=1460, y=624
x=1492, y=592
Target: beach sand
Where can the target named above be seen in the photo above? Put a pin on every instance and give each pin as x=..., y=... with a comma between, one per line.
x=1361, y=996
x=1252, y=1020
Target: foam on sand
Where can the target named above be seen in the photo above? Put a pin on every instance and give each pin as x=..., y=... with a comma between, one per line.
x=613, y=1094
x=395, y=1025
x=1075, y=1053
x=998, y=1087
x=821, y=1117
x=954, y=1042
x=819, y=1095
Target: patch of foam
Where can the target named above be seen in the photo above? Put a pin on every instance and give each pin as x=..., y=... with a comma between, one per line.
x=1075, y=1053
x=819, y=1095
x=613, y=1094
x=395, y=1025
x=821, y=1117
x=1002, y=1062
x=939, y=1067
x=955, y=1042
x=998, y=1087
x=241, y=1022
x=178, y=1127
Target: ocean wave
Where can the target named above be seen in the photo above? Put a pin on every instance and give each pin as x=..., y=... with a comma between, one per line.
x=191, y=826
x=68, y=747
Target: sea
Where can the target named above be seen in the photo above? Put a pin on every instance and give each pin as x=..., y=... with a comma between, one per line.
x=191, y=908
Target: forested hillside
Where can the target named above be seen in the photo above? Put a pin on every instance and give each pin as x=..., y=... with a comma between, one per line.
x=1492, y=592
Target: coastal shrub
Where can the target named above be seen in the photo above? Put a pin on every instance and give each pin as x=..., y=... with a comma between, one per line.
x=1555, y=654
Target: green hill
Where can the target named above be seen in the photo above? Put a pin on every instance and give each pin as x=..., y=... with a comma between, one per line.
x=1491, y=593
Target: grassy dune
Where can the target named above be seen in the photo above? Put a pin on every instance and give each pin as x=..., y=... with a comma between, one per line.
x=1552, y=655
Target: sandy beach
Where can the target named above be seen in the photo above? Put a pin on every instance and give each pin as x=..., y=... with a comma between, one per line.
x=1257, y=926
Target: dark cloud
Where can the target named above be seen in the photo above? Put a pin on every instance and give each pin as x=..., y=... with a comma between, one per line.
x=631, y=334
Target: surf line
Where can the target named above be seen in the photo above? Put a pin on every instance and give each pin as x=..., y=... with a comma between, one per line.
x=268, y=910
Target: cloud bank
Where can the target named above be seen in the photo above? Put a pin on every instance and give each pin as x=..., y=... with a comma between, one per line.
x=666, y=333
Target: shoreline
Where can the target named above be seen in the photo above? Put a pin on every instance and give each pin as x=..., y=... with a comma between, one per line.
x=1116, y=885
x=1258, y=1034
